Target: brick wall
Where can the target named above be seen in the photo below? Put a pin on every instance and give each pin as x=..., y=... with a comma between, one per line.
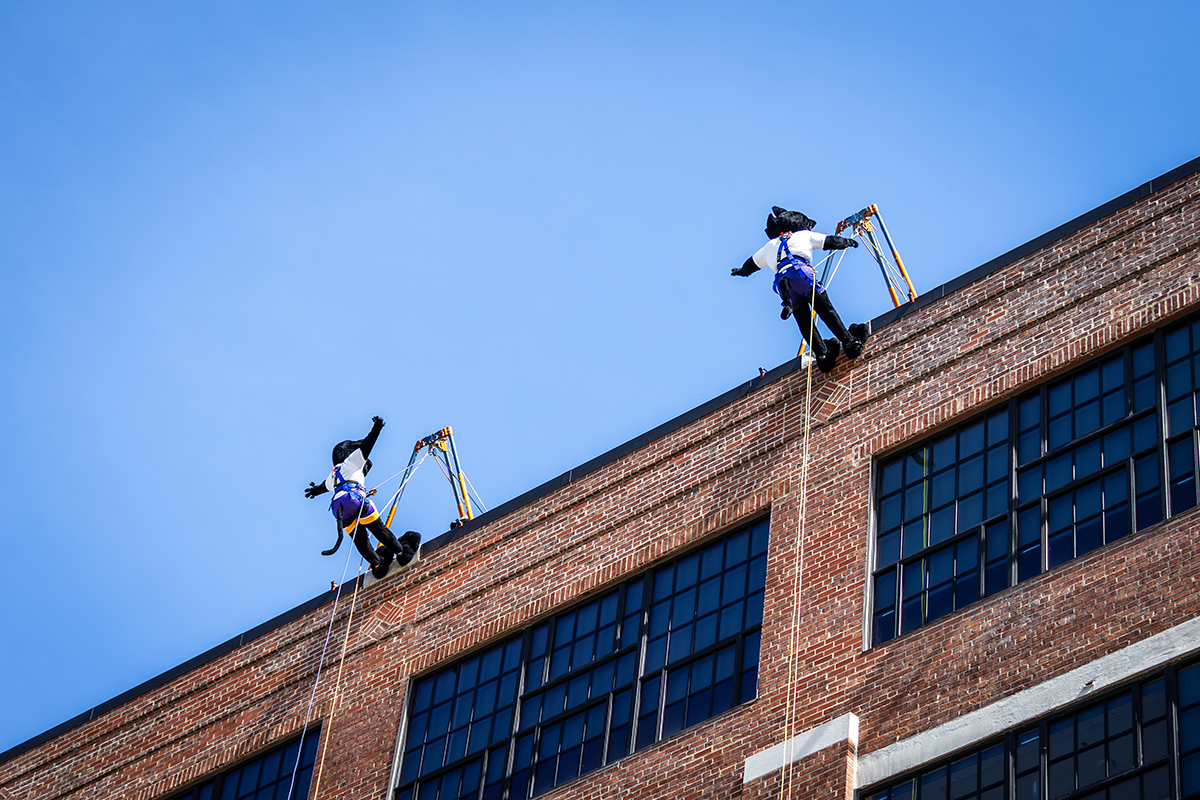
x=1053, y=309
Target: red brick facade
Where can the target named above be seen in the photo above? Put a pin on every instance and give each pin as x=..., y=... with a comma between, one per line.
x=1098, y=287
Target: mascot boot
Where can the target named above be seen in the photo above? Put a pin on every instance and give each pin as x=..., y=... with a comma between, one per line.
x=827, y=360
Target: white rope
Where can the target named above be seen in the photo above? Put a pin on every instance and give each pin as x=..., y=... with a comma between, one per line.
x=477, y=498
x=320, y=665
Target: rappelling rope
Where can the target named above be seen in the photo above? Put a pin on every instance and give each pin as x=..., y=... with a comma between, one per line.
x=477, y=498
x=337, y=686
x=826, y=282
x=785, y=774
x=403, y=483
x=321, y=664
x=882, y=259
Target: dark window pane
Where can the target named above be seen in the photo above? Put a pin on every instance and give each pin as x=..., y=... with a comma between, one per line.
x=1087, y=458
x=942, y=487
x=1062, y=513
x=885, y=591
x=1145, y=433
x=1087, y=418
x=1029, y=446
x=1183, y=483
x=1143, y=360
x=1089, y=535
x=1113, y=406
x=1060, y=548
x=1180, y=416
x=888, y=549
x=1116, y=446
x=1143, y=393
x=941, y=526
x=970, y=440
x=663, y=581
x=1087, y=386
x=1029, y=484
x=912, y=538
x=737, y=548
x=914, y=502
x=710, y=595
x=1059, y=472
x=997, y=428
x=1059, y=398
x=970, y=511
x=964, y=777
x=1087, y=500
x=997, y=463
x=1179, y=380
x=1029, y=412
x=734, y=584
x=1154, y=741
x=997, y=499
x=970, y=475
x=933, y=784
x=890, y=480
x=1120, y=754
x=941, y=566
x=940, y=602
x=941, y=454
x=1059, y=431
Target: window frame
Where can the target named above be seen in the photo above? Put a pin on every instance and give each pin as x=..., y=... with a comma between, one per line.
x=1157, y=476
x=537, y=754
x=214, y=788
x=1024, y=769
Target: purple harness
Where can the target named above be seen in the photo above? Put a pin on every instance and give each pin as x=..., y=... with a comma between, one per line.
x=797, y=270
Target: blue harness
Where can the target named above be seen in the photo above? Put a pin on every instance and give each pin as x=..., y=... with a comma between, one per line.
x=793, y=267
x=353, y=488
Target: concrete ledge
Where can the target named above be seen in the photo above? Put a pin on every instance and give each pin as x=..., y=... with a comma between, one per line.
x=798, y=747
x=1028, y=705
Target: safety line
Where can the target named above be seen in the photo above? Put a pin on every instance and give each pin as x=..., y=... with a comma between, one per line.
x=337, y=686
x=404, y=483
x=320, y=665
x=785, y=774
x=478, y=499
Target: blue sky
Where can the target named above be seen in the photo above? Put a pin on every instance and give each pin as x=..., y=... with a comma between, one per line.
x=230, y=233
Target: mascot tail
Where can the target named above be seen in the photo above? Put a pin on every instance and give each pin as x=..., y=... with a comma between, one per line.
x=336, y=544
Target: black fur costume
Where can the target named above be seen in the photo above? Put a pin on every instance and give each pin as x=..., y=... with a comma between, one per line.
x=797, y=298
x=364, y=510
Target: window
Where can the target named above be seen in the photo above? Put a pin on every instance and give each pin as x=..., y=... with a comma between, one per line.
x=663, y=651
x=268, y=776
x=1122, y=747
x=1050, y=476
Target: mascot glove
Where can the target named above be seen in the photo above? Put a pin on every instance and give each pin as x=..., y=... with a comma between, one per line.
x=311, y=491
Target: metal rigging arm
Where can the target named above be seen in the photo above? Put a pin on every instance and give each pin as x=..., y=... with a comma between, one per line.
x=440, y=445
x=894, y=273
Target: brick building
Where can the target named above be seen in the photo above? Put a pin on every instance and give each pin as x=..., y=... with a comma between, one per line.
x=963, y=567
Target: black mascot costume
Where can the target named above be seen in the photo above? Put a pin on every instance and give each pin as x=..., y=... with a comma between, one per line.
x=353, y=509
x=789, y=255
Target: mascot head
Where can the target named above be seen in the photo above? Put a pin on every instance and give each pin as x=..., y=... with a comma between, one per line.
x=783, y=221
x=342, y=451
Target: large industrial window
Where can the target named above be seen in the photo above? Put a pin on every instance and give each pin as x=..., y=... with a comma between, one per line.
x=1140, y=743
x=1047, y=477
x=665, y=650
x=268, y=776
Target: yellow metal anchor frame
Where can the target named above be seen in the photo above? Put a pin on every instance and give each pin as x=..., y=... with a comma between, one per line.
x=863, y=228
x=441, y=446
